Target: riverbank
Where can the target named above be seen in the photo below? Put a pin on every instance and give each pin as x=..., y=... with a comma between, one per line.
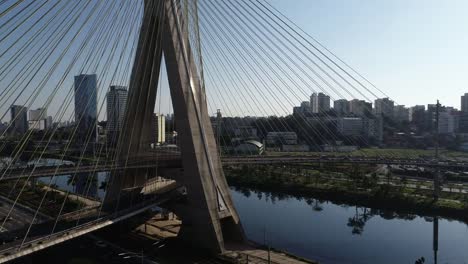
x=360, y=191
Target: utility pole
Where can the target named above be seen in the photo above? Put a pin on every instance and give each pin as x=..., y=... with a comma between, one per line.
x=437, y=171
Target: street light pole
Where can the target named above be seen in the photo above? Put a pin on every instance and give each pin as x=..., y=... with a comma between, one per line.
x=437, y=172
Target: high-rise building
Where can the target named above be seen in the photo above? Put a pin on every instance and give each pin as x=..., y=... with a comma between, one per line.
x=116, y=105
x=384, y=106
x=341, y=106
x=401, y=113
x=446, y=123
x=38, y=119
x=416, y=113
x=303, y=109
x=360, y=107
x=38, y=114
x=159, y=128
x=49, y=122
x=19, y=119
x=464, y=103
x=86, y=107
x=319, y=102
x=350, y=126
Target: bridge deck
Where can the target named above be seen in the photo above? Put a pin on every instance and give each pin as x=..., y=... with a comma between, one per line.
x=148, y=162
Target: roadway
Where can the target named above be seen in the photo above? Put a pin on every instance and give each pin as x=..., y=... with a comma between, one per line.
x=19, y=217
x=148, y=162
x=42, y=238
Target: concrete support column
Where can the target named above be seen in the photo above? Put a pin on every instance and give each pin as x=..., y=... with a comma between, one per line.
x=208, y=215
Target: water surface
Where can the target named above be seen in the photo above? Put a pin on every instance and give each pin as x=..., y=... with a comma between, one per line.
x=331, y=233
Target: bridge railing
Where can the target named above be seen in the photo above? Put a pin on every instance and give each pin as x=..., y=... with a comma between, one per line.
x=18, y=246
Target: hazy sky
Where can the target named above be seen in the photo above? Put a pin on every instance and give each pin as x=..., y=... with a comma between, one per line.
x=414, y=50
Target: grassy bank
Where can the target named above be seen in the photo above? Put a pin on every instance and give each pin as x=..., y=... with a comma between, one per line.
x=49, y=203
x=383, y=153
x=358, y=190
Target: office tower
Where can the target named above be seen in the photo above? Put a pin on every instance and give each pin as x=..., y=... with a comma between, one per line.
x=86, y=107
x=464, y=103
x=19, y=119
x=319, y=102
x=116, y=105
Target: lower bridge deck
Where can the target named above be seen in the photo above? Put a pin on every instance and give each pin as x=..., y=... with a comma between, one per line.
x=53, y=232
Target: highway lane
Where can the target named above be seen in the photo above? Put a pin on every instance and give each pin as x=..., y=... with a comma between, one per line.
x=18, y=218
x=148, y=162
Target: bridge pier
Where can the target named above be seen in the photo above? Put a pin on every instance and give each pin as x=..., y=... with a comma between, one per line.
x=208, y=214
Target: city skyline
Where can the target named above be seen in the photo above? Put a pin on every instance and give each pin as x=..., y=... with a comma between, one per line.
x=413, y=50
x=365, y=53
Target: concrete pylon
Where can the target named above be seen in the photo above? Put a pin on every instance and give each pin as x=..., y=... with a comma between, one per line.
x=208, y=215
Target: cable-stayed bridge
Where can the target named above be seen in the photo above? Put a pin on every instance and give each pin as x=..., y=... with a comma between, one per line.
x=72, y=61
x=176, y=162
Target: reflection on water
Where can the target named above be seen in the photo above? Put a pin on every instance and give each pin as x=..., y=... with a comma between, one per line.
x=86, y=184
x=332, y=233
x=325, y=231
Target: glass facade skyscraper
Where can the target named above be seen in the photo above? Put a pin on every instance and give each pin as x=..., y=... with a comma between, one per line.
x=19, y=119
x=86, y=107
x=116, y=104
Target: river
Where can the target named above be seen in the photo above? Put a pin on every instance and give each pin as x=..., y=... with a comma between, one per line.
x=331, y=233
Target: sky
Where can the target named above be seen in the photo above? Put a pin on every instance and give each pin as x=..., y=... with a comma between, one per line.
x=416, y=51
x=413, y=50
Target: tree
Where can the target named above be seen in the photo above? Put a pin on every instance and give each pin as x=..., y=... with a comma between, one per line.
x=404, y=181
x=389, y=175
x=421, y=260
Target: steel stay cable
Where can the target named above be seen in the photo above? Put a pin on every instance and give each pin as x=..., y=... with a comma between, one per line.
x=303, y=45
x=314, y=47
x=68, y=47
x=262, y=81
x=241, y=80
x=10, y=8
x=113, y=50
x=224, y=102
x=40, y=87
x=90, y=34
x=47, y=104
x=148, y=15
x=284, y=71
x=302, y=36
x=19, y=25
x=274, y=72
x=18, y=13
x=62, y=157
